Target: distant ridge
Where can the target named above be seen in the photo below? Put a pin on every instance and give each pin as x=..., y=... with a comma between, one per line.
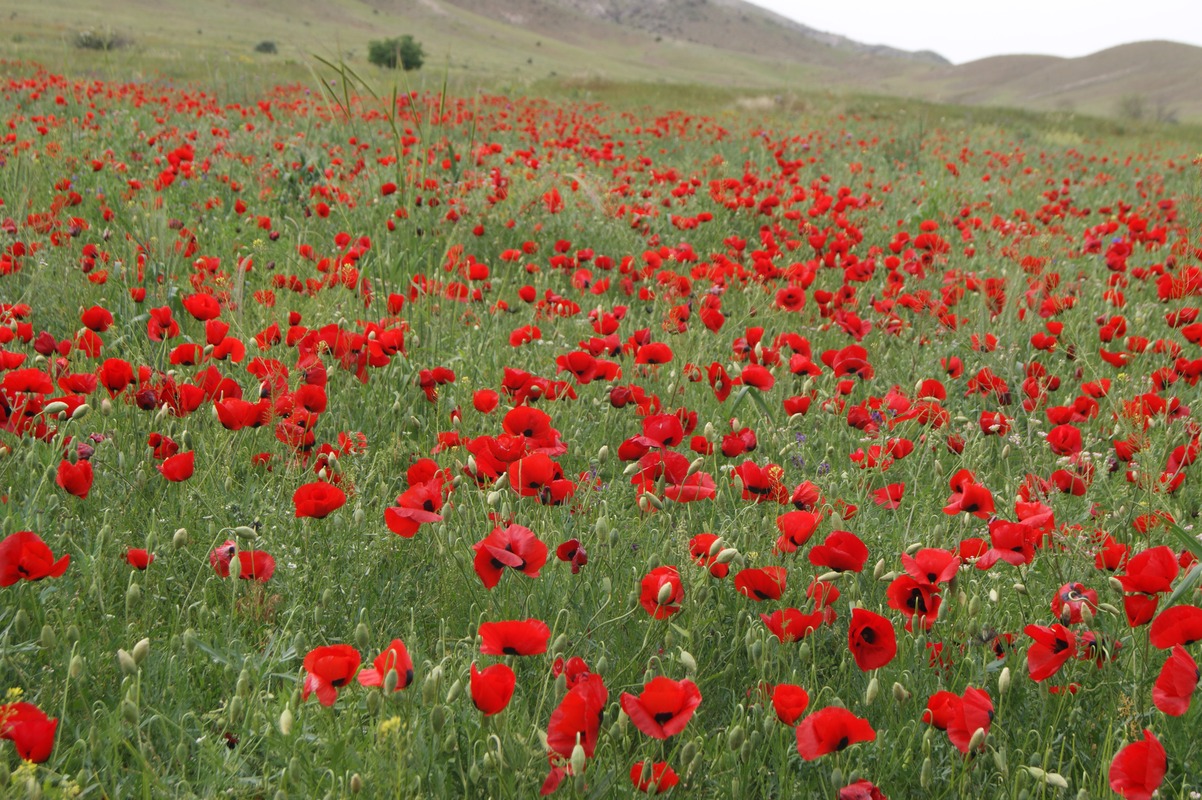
x=511, y=43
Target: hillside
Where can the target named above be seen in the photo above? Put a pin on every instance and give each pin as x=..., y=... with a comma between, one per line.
x=506, y=43
x=1157, y=79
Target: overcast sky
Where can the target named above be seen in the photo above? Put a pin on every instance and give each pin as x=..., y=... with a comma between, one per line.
x=965, y=30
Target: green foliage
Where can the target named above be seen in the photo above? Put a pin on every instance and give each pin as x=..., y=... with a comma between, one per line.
x=402, y=51
x=101, y=40
x=266, y=46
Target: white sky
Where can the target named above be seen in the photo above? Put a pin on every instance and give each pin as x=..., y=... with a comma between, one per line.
x=965, y=30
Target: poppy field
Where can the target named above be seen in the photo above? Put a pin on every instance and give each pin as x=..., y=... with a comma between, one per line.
x=426, y=444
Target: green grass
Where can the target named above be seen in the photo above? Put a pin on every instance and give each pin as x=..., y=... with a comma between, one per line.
x=215, y=708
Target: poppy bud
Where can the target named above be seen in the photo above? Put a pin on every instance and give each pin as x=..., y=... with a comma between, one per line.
x=1021, y=589
x=286, y=721
x=296, y=769
x=726, y=556
x=48, y=639
x=180, y=538
x=688, y=662
x=438, y=718
x=133, y=596
x=828, y=577
x=362, y=636
x=1003, y=682
x=978, y=741
x=993, y=596
x=879, y=569
x=127, y=663
x=391, y=679
x=999, y=760
x=924, y=777
x=141, y=650
x=579, y=759
x=356, y=783
x=245, y=532
x=129, y=710
x=373, y=703
x=900, y=694
x=75, y=669
x=874, y=689
x=1108, y=608
x=106, y=407
x=455, y=690
x=237, y=709
x=55, y=408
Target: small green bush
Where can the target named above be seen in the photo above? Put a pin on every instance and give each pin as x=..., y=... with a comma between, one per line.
x=404, y=51
x=100, y=40
x=266, y=46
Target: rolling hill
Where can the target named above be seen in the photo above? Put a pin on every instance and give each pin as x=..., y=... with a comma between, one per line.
x=513, y=43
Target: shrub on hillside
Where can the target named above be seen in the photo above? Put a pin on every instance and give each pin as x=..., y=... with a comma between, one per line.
x=100, y=40
x=404, y=51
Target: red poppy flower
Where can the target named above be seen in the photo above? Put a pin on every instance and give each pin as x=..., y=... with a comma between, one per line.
x=931, y=564
x=29, y=729
x=514, y=637
x=796, y=528
x=417, y=506
x=252, y=564
x=96, y=319
x=1174, y=687
x=327, y=669
x=1138, y=769
x=841, y=551
x=1012, y=542
x=485, y=400
x=75, y=478
x=759, y=584
x=960, y=715
x=24, y=556
x=790, y=624
x=969, y=497
x=914, y=598
x=577, y=718
x=1071, y=599
x=831, y=730
x=662, y=592
x=871, y=639
x=572, y=552
x=861, y=790
x=789, y=701
x=318, y=499
x=890, y=496
x=492, y=688
x=178, y=467
x=657, y=777
x=202, y=307
x=395, y=658
x=515, y=547
x=704, y=554
x=139, y=558
x=1178, y=625
x=115, y=374
x=1053, y=646
x=663, y=708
